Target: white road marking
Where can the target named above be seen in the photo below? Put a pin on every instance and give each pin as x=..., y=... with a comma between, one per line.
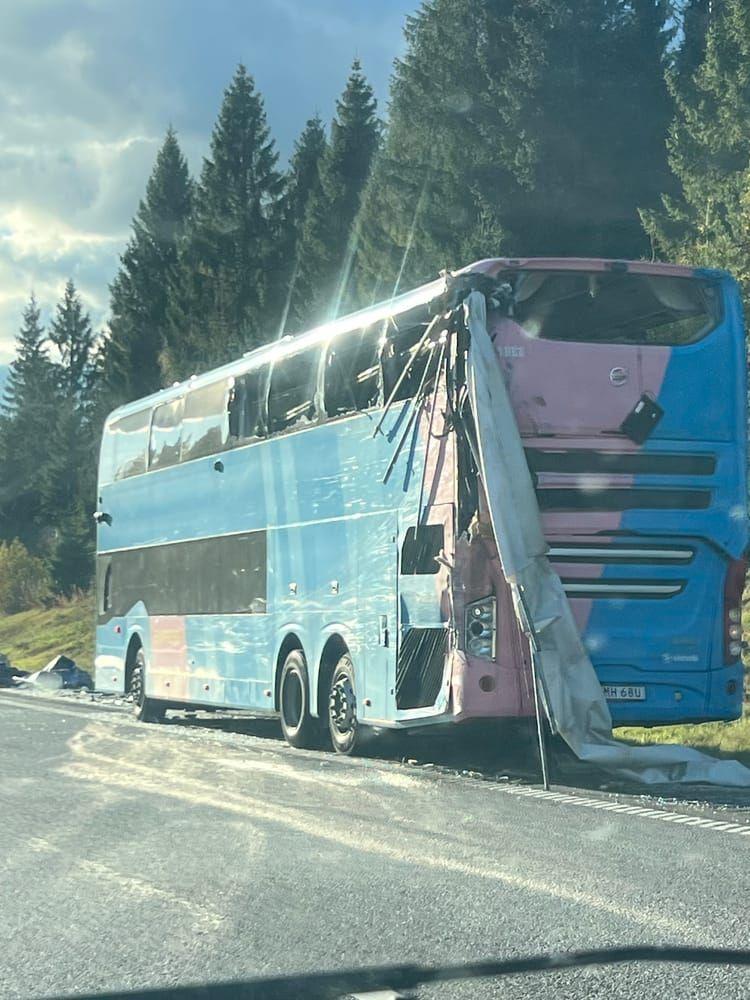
x=645, y=812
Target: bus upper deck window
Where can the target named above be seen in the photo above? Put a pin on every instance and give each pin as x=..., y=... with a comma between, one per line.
x=351, y=375
x=204, y=421
x=125, y=443
x=245, y=406
x=291, y=398
x=166, y=432
x=402, y=350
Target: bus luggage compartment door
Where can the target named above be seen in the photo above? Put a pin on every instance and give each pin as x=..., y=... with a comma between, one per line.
x=377, y=615
x=424, y=612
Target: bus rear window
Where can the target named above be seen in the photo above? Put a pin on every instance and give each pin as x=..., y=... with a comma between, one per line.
x=614, y=307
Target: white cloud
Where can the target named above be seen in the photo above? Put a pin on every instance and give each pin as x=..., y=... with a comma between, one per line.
x=26, y=233
x=88, y=87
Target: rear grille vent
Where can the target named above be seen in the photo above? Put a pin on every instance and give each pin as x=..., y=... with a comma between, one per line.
x=420, y=667
x=626, y=589
x=641, y=555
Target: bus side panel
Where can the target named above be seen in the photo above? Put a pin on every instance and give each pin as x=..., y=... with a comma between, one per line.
x=229, y=660
x=319, y=590
x=312, y=575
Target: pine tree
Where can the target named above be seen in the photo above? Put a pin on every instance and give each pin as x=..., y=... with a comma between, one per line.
x=419, y=209
x=67, y=488
x=303, y=178
x=694, y=17
x=73, y=336
x=137, y=329
x=72, y=555
x=227, y=292
x=27, y=417
x=599, y=117
x=67, y=477
x=304, y=169
x=327, y=243
x=708, y=222
x=31, y=365
x=520, y=127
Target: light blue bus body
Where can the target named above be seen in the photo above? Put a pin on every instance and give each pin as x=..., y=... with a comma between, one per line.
x=302, y=537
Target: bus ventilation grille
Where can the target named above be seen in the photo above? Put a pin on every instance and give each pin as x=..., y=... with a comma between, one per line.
x=420, y=666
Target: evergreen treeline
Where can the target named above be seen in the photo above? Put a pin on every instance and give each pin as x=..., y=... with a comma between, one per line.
x=616, y=128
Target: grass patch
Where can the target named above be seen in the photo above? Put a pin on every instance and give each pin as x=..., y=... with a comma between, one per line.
x=725, y=739
x=31, y=639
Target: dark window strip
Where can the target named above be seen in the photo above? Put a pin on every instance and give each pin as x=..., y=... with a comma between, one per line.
x=623, y=499
x=629, y=463
x=221, y=575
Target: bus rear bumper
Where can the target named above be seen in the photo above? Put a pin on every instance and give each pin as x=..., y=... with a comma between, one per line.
x=688, y=697
x=484, y=689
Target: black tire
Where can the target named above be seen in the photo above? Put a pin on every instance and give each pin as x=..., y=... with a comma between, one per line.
x=298, y=726
x=346, y=733
x=144, y=709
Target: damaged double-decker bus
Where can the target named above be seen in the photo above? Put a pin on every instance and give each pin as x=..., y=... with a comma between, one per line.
x=304, y=531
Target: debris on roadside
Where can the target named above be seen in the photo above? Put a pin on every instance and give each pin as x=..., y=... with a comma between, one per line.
x=10, y=676
x=60, y=672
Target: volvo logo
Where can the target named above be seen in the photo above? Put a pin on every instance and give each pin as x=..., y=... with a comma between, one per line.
x=618, y=375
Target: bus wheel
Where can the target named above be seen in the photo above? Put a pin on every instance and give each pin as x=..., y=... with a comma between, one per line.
x=145, y=709
x=346, y=734
x=297, y=724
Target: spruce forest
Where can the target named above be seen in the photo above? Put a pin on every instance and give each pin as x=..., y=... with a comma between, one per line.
x=606, y=128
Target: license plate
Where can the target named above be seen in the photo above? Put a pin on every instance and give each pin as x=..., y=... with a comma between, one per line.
x=624, y=692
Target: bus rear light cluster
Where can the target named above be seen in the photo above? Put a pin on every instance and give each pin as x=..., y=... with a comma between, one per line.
x=481, y=627
x=734, y=584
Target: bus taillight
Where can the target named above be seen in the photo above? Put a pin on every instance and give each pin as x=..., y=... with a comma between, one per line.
x=734, y=584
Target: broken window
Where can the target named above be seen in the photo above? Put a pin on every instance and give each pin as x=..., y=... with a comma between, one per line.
x=402, y=352
x=614, y=307
x=246, y=406
x=291, y=398
x=204, y=422
x=421, y=547
x=166, y=432
x=351, y=374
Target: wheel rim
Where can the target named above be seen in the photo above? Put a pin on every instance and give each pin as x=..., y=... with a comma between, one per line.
x=292, y=700
x=342, y=705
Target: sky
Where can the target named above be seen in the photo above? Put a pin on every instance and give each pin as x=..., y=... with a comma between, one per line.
x=88, y=88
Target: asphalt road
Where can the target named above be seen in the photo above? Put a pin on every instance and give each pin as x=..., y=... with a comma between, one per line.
x=141, y=856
